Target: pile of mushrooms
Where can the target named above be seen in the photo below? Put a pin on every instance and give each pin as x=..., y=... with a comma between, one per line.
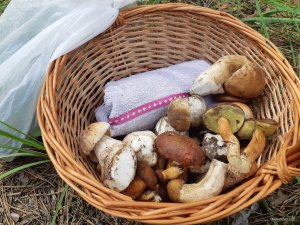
x=194, y=152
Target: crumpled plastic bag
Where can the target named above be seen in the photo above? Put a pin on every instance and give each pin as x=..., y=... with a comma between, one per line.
x=32, y=34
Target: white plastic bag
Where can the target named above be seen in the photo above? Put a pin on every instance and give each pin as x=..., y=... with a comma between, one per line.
x=32, y=34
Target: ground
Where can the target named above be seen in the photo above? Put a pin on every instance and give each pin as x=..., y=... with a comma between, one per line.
x=31, y=196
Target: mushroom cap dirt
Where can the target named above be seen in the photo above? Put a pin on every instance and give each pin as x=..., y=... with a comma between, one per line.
x=269, y=127
x=143, y=144
x=181, y=149
x=247, y=82
x=90, y=136
x=232, y=113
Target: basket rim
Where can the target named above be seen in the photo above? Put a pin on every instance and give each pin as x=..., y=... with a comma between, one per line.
x=272, y=174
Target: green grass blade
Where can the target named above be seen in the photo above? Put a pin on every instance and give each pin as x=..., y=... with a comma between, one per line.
x=271, y=20
x=22, y=140
x=20, y=168
x=19, y=131
x=298, y=180
x=25, y=150
x=59, y=204
x=263, y=24
x=17, y=155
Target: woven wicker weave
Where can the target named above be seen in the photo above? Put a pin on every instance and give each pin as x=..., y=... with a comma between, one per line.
x=150, y=37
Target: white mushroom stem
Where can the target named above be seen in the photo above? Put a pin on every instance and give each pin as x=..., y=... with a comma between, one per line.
x=211, y=185
x=143, y=144
x=117, y=162
x=211, y=80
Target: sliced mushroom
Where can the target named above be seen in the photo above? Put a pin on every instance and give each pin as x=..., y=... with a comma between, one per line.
x=117, y=161
x=143, y=144
x=211, y=185
x=179, y=148
x=211, y=80
x=247, y=82
x=185, y=113
x=163, y=125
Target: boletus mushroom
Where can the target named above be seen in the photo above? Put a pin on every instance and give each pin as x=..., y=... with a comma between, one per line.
x=209, y=186
x=181, y=149
x=269, y=126
x=163, y=125
x=185, y=113
x=214, y=147
x=117, y=161
x=247, y=82
x=142, y=142
x=212, y=79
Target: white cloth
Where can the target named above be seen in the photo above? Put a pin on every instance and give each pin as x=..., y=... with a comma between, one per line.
x=126, y=96
x=32, y=34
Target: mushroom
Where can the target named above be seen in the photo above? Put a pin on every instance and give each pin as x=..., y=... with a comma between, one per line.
x=214, y=147
x=135, y=188
x=233, y=176
x=247, y=82
x=243, y=162
x=117, y=161
x=203, y=169
x=211, y=185
x=147, y=195
x=246, y=109
x=269, y=127
x=228, y=98
x=212, y=79
x=181, y=149
x=143, y=144
x=185, y=113
x=147, y=174
x=233, y=114
x=163, y=125
x=226, y=119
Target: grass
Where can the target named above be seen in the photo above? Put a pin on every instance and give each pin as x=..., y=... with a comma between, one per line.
x=31, y=187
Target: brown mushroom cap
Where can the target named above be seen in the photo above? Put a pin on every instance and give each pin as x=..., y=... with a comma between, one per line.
x=91, y=135
x=232, y=113
x=268, y=126
x=135, y=188
x=229, y=98
x=179, y=114
x=147, y=174
x=179, y=148
x=247, y=82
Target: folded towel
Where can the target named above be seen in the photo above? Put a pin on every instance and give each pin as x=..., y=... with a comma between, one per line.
x=139, y=101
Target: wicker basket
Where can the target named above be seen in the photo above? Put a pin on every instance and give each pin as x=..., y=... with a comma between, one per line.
x=151, y=37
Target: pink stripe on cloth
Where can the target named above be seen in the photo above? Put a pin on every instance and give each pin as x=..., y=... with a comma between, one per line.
x=130, y=115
